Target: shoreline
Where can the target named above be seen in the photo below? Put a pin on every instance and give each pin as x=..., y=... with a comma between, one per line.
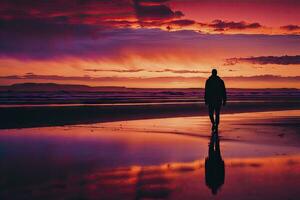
x=44, y=116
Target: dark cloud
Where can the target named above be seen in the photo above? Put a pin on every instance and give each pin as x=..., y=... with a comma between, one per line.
x=220, y=25
x=37, y=39
x=291, y=27
x=152, y=1
x=182, y=22
x=158, y=11
x=36, y=28
x=103, y=9
x=263, y=60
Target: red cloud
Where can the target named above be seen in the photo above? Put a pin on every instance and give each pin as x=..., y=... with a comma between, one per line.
x=263, y=60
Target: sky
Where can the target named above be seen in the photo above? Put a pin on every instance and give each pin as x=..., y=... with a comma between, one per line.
x=151, y=43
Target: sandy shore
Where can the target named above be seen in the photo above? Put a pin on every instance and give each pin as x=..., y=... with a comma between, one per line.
x=155, y=158
x=44, y=116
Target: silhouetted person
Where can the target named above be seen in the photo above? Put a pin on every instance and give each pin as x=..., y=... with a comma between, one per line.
x=215, y=96
x=214, y=165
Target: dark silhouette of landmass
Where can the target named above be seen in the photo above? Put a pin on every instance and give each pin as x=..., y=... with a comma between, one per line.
x=53, y=87
x=48, y=87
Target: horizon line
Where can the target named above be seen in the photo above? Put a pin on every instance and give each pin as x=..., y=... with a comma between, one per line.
x=124, y=87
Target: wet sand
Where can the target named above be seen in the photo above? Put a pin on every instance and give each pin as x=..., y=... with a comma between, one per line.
x=45, y=116
x=155, y=159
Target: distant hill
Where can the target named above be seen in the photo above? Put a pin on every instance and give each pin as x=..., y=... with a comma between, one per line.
x=53, y=87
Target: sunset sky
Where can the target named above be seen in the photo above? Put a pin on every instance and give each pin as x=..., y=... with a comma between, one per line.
x=150, y=43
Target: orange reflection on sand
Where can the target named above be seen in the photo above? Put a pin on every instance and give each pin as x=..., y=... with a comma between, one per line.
x=263, y=177
x=157, y=158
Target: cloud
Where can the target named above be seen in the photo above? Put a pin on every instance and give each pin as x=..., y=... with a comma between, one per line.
x=152, y=2
x=181, y=22
x=113, y=14
x=106, y=80
x=183, y=71
x=119, y=71
x=155, y=11
x=220, y=25
x=38, y=40
x=291, y=27
x=263, y=78
x=263, y=60
x=123, y=46
x=105, y=13
x=32, y=76
x=66, y=10
x=264, y=81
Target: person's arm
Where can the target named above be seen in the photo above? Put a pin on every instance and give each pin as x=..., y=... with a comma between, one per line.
x=224, y=94
x=206, y=93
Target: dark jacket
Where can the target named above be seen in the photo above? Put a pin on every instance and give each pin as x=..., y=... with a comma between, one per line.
x=215, y=91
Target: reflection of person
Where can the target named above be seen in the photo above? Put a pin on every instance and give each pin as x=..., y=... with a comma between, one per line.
x=215, y=95
x=214, y=165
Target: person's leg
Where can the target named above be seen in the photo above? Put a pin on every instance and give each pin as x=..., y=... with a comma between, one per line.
x=217, y=110
x=211, y=113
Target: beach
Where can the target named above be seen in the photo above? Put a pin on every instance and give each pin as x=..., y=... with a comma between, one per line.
x=149, y=100
x=26, y=116
x=157, y=158
x=44, y=105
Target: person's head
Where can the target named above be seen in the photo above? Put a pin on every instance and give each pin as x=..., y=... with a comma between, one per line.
x=214, y=72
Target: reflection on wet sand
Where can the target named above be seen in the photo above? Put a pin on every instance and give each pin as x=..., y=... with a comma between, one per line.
x=174, y=181
x=155, y=159
x=214, y=165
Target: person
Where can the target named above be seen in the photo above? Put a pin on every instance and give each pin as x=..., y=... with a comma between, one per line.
x=215, y=96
